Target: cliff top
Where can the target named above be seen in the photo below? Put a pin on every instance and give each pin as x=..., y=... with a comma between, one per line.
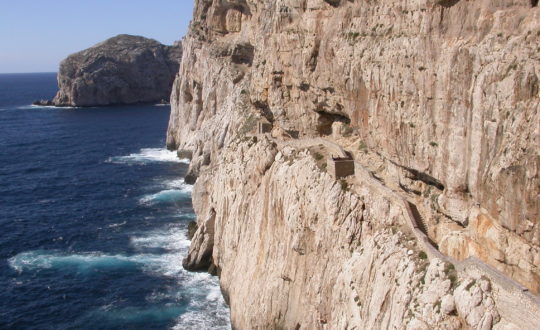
x=124, y=69
x=117, y=46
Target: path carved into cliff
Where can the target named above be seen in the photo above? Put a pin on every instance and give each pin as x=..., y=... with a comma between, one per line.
x=507, y=291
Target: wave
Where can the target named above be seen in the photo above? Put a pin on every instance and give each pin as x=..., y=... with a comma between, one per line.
x=207, y=309
x=34, y=106
x=168, y=196
x=116, y=225
x=179, y=184
x=149, y=155
x=196, y=303
x=136, y=315
x=87, y=263
x=82, y=263
x=174, y=239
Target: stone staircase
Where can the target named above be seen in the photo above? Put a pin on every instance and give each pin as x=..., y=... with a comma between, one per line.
x=418, y=219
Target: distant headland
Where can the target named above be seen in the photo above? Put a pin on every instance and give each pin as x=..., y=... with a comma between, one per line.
x=124, y=69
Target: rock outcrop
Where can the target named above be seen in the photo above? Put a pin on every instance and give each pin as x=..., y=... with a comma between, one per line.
x=122, y=70
x=438, y=101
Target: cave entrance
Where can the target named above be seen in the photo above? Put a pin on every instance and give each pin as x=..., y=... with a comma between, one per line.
x=326, y=120
x=534, y=3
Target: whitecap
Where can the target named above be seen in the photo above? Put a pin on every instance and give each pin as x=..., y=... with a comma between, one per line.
x=124, y=316
x=168, y=196
x=82, y=263
x=35, y=106
x=149, y=155
x=85, y=263
x=179, y=184
x=196, y=304
x=207, y=309
x=173, y=239
x=115, y=225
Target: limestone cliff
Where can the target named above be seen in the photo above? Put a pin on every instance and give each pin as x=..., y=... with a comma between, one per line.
x=121, y=70
x=436, y=101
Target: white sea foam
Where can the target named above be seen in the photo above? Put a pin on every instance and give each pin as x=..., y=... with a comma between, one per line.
x=83, y=262
x=162, y=264
x=35, y=106
x=179, y=184
x=173, y=239
x=122, y=317
x=206, y=308
x=177, y=191
x=149, y=155
x=168, y=196
x=115, y=225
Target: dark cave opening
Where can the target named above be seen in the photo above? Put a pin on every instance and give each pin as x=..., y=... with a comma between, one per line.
x=325, y=121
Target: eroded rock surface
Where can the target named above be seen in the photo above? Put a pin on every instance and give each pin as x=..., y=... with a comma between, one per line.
x=438, y=99
x=122, y=70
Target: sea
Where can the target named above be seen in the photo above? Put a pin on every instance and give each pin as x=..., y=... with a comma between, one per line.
x=93, y=218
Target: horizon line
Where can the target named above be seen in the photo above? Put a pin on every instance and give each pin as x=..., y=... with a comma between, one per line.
x=29, y=72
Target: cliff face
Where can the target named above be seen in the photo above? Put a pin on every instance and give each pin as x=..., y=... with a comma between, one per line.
x=438, y=100
x=121, y=70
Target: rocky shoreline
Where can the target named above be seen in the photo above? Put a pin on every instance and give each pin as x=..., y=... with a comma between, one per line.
x=121, y=70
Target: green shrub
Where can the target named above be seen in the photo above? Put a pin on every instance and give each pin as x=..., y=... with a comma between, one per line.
x=346, y=130
x=248, y=126
x=362, y=146
x=422, y=255
x=453, y=280
x=344, y=185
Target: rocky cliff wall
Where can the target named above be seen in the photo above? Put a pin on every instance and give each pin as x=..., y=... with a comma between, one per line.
x=296, y=249
x=439, y=99
x=121, y=70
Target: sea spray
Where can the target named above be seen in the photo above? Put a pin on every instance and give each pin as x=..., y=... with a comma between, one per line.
x=148, y=155
x=165, y=197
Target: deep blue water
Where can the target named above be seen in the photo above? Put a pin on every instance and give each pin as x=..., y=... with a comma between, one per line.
x=93, y=217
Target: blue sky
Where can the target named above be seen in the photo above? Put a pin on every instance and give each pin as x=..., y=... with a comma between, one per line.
x=35, y=35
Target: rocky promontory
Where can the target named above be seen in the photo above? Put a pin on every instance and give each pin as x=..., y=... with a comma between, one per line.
x=431, y=222
x=124, y=69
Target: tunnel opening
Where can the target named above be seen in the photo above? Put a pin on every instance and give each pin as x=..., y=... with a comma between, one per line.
x=326, y=120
